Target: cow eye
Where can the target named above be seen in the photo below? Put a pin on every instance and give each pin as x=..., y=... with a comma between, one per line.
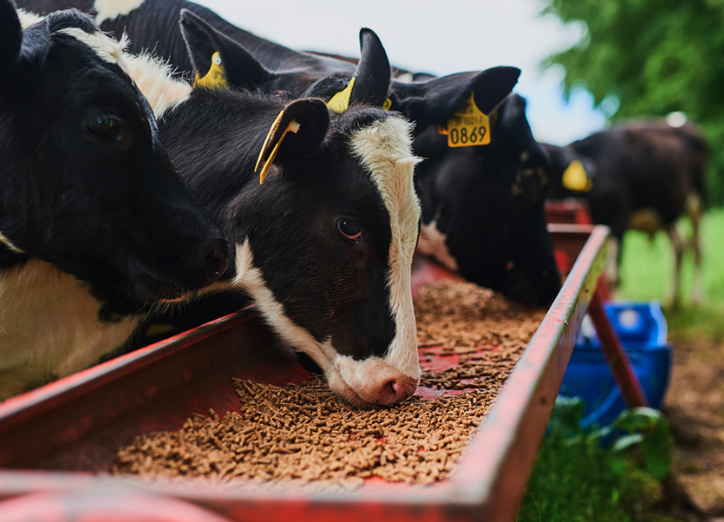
x=349, y=229
x=103, y=126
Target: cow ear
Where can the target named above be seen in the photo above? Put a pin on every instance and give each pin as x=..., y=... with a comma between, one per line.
x=11, y=38
x=219, y=61
x=373, y=71
x=435, y=101
x=296, y=133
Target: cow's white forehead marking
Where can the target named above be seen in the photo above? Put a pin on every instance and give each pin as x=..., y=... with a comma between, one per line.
x=112, y=9
x=385, y=149
x=105, y=47
x=154, y=79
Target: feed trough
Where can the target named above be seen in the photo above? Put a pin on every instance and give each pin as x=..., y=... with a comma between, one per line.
x=61, y=439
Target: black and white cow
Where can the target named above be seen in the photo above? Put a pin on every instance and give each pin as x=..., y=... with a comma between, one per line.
x=496, y=232
x=95, y=223
x=483, y=207
x=325, y=247
x=640, y=176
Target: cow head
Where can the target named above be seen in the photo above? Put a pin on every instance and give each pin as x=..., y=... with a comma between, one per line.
x=572, y=173
x=86, y=185
x=324, y=245
x=300, y=74
x=484, y=205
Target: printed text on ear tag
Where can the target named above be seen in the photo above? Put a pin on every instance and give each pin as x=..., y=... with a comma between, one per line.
x=340, y=101
x=214, y=79
x=575, y=178
x=468, y=128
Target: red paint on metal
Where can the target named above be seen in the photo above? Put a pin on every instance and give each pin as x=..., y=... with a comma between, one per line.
x=90, y=507
x=570, y=211
x=631, y=391
x=426, y=270
x=158, y=387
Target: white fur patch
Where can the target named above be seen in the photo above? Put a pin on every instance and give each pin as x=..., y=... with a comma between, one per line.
x=27, y=18
x=250, y=279
x=385, y=149
x=154, y=80
x=49, y=326
x=112, y=9
x=358, y=381
x=104, y=46
x=433, y=243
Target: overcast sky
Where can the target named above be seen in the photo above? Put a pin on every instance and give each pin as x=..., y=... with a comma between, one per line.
x=439, y=37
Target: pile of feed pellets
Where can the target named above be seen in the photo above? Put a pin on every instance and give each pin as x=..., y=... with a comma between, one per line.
x=304, y=434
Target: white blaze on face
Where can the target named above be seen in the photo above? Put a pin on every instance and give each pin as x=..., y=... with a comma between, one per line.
x=385, y=149
x=112, y=9
x=433, y=243
x=151, y=75
x=107, y=49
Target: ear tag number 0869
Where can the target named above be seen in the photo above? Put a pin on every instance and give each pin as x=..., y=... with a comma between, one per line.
x=468, y=128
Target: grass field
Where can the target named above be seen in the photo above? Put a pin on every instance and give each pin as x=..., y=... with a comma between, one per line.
x=647, y=273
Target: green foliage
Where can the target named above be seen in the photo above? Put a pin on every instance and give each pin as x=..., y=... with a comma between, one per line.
x=649, y=430
x=575, y=479
x=654, y=57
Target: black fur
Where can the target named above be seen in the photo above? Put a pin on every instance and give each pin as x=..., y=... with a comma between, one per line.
x=489, y=202
x=114, y=213
x=636, y=166
x=334, y=288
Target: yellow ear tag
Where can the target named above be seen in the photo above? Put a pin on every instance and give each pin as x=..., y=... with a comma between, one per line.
x=575, y=178
x=215, y=78
x=340, y=101
x=292, y=127
x=387, y=104
x=469, y=127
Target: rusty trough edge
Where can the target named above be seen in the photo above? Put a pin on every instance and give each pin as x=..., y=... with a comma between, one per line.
x=500, y=458
x=33, y=403
x=488, y=483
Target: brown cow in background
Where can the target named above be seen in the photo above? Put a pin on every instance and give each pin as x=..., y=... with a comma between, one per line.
x=640, y=176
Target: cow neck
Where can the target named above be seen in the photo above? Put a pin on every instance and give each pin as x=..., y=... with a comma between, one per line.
x=50, y=326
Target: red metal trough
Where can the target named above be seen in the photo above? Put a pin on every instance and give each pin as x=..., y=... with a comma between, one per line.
x=58, y=441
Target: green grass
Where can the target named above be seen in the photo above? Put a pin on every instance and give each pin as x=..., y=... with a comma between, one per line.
x=574, y=479
x=647, y=273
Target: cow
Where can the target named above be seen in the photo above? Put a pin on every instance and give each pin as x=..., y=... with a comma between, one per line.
x=96, y=225
x=499, y=229
x=640, y=176
x=324, y=245
x=483, y=208
x=353, y=318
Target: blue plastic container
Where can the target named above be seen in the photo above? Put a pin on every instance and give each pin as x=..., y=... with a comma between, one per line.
x=643, y=331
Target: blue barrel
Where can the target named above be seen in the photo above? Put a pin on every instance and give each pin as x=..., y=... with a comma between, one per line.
x=643, y=332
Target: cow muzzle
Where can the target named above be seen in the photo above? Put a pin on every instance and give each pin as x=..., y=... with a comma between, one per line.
x=371, y=381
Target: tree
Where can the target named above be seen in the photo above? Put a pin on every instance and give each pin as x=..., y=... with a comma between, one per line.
x=653, y=57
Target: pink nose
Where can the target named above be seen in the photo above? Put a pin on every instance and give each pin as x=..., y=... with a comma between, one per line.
x=397, y=390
